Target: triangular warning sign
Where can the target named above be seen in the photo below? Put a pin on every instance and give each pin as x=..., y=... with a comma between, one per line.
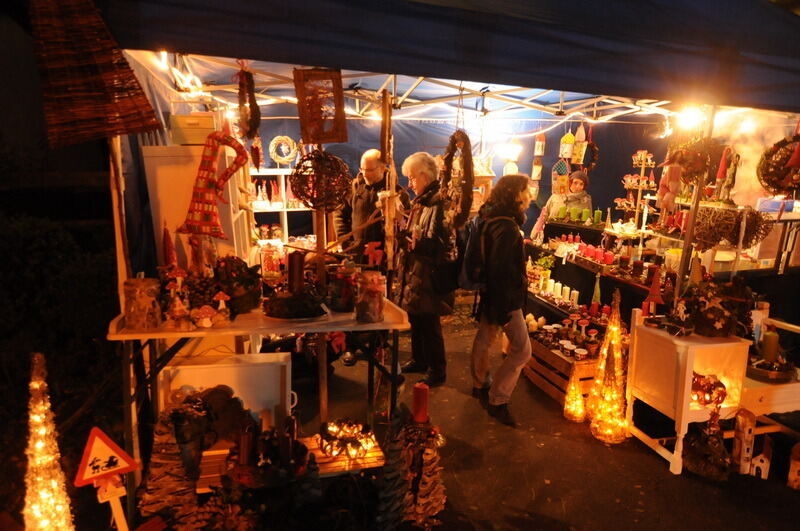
x=102, y=457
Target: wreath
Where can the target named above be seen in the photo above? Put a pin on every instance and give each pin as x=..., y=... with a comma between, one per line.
x=282, y=150
x=714, y=225
x=772, y=170
x=594, y=157
x=320, y=180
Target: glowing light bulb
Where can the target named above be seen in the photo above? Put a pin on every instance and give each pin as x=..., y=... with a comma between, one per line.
x=747, y=126
x=690, y=118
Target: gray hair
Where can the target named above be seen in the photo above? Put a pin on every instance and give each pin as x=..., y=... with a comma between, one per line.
x=374, y=154
x=422, y=162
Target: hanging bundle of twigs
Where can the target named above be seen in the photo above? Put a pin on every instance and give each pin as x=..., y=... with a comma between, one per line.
x=715, y=225
x=459, y=190
x=249, y=113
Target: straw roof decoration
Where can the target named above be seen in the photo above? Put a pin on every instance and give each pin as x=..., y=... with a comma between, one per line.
x=89, y=90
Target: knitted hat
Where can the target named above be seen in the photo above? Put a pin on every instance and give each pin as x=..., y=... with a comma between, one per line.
x=582, y=175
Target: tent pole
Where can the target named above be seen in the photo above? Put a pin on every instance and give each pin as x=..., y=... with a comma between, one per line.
x=686, y=253
x=117, y=185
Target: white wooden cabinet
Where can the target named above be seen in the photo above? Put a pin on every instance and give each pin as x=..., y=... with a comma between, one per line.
x=660, y=368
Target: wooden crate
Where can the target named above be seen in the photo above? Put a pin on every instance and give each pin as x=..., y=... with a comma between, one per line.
x=337, y=466
x=550, y=371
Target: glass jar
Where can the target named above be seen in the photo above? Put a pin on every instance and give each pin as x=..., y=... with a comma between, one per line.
x=142, y=309
x=342, y=291
x=369, y=302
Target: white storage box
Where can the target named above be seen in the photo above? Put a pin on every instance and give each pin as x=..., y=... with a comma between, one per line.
x=262, y=381
x=191, y=129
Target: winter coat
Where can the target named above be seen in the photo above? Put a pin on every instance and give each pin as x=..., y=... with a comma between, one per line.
x=358, y=206
x=433, y=244
x=580, y=199
x=504, y=258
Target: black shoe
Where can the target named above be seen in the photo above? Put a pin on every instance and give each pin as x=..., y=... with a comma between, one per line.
x=348, y=360
x=433, y=380
x=481, y=393
x=413, y=366
x=502, y=414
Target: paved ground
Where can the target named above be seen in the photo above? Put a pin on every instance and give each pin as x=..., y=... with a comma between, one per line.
x=552, y=474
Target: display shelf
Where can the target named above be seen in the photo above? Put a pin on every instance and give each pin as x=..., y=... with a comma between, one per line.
x=550, y=371
x=561, y=311
x=256, y=322
x=282, y=212
x=266, y=210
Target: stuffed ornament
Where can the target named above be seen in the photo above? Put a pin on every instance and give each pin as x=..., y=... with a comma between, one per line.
x=668, y=187
x=203, y=217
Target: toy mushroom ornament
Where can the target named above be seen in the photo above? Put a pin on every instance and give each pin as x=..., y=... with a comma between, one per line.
x=575, y=318
x=221, y=296
x=202, y=316
x=178, y=274
x=583, y=324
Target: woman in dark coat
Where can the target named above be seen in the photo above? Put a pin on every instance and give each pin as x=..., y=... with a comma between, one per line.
x=427, y=244
x=503, y=299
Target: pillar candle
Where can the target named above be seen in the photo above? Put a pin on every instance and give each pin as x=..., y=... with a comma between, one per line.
x=607, y=309
x=551, y=285
x=624, y=261
x=608, y=258
x=420, y=407
x=571, y=238
x=565, y=293
x=562, y=212
x=573, y=297
x=769, y=346
x=577, y=238
x=296, y=262
x=594, y=309
x=638, y=268
x=585, y=213
x=598, y=216
x=574, y=213
x=557, y=290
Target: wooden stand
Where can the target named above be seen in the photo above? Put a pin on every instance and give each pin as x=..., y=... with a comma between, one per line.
x=337, y=466
x=550, y=371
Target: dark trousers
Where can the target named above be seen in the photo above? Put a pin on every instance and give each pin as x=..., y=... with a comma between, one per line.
x=427, y=343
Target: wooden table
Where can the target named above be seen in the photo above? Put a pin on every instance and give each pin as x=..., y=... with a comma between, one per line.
x=143, y=382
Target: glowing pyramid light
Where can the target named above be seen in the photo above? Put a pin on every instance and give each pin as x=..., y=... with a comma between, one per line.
x=607, y=396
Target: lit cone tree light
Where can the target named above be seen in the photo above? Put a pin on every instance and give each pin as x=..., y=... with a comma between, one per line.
x=574, y=407
x=46, y=501
x=607, y=397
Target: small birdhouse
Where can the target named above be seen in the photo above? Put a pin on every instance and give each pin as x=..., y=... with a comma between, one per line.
x=759, y=466
x=743, y=440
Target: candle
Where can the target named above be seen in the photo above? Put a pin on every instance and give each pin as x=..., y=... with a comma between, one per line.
x=585, y=213
x=638, y=268
x=769, y=346
x=607, y=309
x=571, y=238
x=551, y=286
x=594, y=309
x=296, y=262
x=577, y=238
x=574, y=213
x=624, y=261
x=581, y=248
x=565, y=293
x=598, y=216
x=608, y=258
x=557, y=290
x=573, y=297
x=651, y=272
x=420, y=407
x=562, y=212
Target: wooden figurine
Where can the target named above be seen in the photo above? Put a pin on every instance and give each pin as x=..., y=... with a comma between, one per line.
x=794, y=468
x=759, y=466
x=743, y=440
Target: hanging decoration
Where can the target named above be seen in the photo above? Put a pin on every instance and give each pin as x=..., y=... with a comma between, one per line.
x=560, y=177
x=249, y=113
x=566, y=145
x=607, y=395
x=320, y=105
x=283, y=150
x=90, y=91
x=594, y=152
x=539, y=145
x=579, y=151
x=320, y=180
x=203, y=217
x=458, y=178
x=574, y=404
x=46, y=503
x=778, y=170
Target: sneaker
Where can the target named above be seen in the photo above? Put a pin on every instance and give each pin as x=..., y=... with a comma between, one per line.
x=433, y=380
x=413, y=366
x=502, y=414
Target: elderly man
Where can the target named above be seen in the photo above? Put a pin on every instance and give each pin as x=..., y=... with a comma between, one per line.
x=426, y=244
x=362, y=202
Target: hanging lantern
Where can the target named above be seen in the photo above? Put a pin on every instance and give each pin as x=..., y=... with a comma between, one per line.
x=539, y=144
x=579, y=151
x=566, y=146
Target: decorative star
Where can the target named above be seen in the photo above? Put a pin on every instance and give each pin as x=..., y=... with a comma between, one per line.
x=719, y=324
x=715, y=302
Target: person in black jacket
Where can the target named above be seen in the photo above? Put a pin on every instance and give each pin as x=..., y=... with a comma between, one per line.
x=503, y=298
x=361, y=202
x=426, y=243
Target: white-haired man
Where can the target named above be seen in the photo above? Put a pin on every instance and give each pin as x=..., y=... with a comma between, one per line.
x=362, y=201
x=426, y=243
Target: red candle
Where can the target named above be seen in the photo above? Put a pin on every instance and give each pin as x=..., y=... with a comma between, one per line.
x=577, y=238
x=607, y=309
x=594, y=309
x=420, y=407
x=581, y=248
x=608, y=258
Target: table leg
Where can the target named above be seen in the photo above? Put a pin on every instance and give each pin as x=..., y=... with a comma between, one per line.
x=371, y=388
x=322, y=366
x=676, y=463
x=129, y=414
x=393, y=381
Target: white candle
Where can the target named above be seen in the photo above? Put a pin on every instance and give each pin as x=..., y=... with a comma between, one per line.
x=574, y=297
x=565, y=293
x=557, y=290
x=550, y=285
